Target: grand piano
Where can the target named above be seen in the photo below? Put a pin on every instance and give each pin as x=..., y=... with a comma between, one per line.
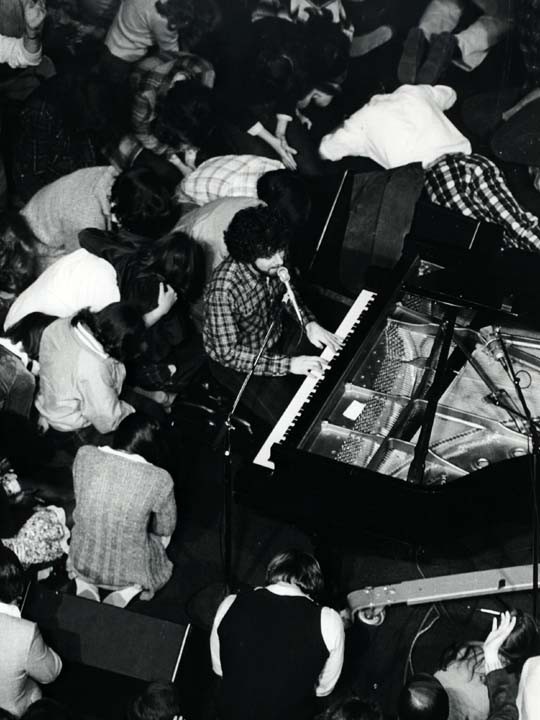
x=416, y=431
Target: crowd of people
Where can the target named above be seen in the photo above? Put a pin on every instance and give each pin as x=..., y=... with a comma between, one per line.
x=156, y=180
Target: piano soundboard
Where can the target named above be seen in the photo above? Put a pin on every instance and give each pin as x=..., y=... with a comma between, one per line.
x=308, y=387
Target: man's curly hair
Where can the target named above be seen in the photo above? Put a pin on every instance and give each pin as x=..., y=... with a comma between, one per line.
x=192, y=19
x=256, y=232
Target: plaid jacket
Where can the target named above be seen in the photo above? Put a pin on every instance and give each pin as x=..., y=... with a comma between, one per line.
x=240, y=304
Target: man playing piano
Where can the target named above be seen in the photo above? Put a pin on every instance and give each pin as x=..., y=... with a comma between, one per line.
x=243, y=302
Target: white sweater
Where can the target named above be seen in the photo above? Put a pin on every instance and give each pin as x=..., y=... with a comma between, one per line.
x=13, y=52
x=402, y=127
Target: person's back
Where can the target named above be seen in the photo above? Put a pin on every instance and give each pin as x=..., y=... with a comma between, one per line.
x=125, y=509
x=206, y=225
x=275, y=648
x=82, y=368
x=136, y=27
x=26, y=660
x=59, y=211
x=398, y=128
x=284, y=663
x=73, y=282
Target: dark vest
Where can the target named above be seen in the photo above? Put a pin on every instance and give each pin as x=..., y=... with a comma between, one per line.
x=272, y=653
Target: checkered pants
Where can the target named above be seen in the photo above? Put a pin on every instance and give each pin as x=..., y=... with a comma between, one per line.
x=474, y=186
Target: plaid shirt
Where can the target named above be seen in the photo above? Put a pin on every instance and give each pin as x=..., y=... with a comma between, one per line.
x=227, y=176
x=153, y=79
x=45, y=149
x=474, y=186
x=240, y=304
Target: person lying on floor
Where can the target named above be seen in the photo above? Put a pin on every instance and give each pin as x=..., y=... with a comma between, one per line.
x=409, y=126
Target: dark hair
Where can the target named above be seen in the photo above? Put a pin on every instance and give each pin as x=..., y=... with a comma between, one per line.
x=423, y=698
x=158, y=702
x=46, y=709
x=29, y=330
x=287, y=193
x=143, y=203
x=11, y=576
x=179, y=260
x=299, y=568
x=278, y=65
x=18, y=257
x=192, y=19
x=256, y=232
x=184, y=115
x=6, y=715
x=354, y=708
x=119, y=328
x=522, y=643
x=141, y=435
x=326, y=47
x=90, y=103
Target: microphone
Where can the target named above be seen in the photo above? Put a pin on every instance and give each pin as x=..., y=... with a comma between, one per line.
x=284, y=276
x=494, y=344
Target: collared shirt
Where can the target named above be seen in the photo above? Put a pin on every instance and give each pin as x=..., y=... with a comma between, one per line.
x=406, y=126
x=9, y=609
x=227, y=176
x=331, y=629
x=475, y=187
x=240, y=304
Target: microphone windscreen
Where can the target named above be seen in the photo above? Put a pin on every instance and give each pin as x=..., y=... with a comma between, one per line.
x=283, y=274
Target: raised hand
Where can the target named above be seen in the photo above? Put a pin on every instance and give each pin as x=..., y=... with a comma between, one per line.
x=495, y=640
x=35, y=13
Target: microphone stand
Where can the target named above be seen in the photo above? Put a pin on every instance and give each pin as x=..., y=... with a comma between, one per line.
x=535, y=439
x=225, y=434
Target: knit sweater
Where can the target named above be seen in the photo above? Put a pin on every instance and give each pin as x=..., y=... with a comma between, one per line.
x=58, y=212
x=123, y=505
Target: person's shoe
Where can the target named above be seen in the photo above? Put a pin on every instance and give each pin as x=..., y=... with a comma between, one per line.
x=442, y=50
x=87, y=590
x=414, y=49
x=363, y=44
x=121, y=598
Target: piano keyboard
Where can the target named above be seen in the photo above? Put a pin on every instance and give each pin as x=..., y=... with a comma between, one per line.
x=305, y=391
